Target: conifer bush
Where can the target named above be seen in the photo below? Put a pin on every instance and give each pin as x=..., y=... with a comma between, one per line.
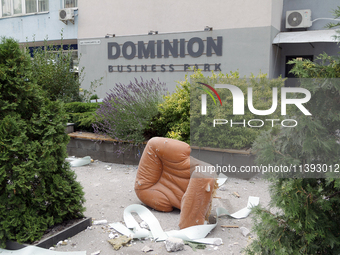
x=82, y=114
x=303, y=217
x=37, y=187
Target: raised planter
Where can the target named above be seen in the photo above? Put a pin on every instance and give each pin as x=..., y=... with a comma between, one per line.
x=54, y=239
x=69, y=128
x=101, y=148
x=227, y=159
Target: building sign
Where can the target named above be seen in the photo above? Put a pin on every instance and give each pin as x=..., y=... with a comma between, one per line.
x=164, y=49
x=89, y=42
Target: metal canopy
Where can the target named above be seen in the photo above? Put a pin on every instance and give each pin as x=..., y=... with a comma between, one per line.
x=305, y=36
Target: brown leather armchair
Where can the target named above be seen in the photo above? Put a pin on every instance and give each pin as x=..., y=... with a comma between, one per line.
x=166, y=178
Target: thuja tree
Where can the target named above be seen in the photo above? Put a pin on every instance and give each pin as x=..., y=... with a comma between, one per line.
x=303, y=217
x=37, y=187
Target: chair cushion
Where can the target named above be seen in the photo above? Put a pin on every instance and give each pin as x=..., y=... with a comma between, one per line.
x=163, y=173
x=197, y=200
x=166, y=179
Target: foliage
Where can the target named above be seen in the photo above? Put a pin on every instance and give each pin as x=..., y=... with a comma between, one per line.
x=180, y=114
x=127, y=111
x=235, y=136
x=324, y=66
x=37, y=187
x=87, y=95
x=52, y=70
x=336, y=14
x=173, y=118
x=306, y=219
x=93, y=97
x=82, y=114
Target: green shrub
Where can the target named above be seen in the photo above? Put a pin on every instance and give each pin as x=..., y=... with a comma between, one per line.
x=127, y=111
x=180, y=114
x=83, y=115
x=173, y=118
x=37, y=187
x=80, y=107
x=95, y=96
x=52, y=71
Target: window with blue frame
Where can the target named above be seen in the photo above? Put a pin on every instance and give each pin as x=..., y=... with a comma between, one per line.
x=53, y=52
x=21, y=7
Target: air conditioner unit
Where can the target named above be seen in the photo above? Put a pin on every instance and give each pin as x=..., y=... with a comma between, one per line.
x=299, y=18
x=66, y=14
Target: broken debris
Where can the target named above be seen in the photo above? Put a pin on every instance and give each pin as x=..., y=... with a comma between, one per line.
x=229, y=226
x=222, y=188
x=112, y=235
x=236, y=194
x=81, y=161
x=146, y=249
x=195, y=245
x=245, y=232
x=62, y=242
x=218, y=242
x=145, y=225
x=99, y=222
x=119, y=242
x=174, y=244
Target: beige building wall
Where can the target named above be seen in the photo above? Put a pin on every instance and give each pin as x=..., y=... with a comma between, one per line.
x=136, y=17
x=276, y=13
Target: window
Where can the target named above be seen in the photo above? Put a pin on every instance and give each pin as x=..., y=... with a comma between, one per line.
x=20, y=7
x=6, y=8
x=17, y=4
x=31, y=6
x=55, y=53
x=42, y=5
x=70, y=3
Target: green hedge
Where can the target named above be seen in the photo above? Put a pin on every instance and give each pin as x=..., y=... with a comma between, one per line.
x=82, y=114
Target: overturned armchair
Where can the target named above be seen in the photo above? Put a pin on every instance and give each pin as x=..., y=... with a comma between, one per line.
x=166, y=178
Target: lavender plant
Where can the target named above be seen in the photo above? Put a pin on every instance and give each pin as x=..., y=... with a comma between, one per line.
x=127, y=110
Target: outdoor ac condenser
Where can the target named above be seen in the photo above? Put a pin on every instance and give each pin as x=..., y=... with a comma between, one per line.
x=66, y=14
x=299, y=18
